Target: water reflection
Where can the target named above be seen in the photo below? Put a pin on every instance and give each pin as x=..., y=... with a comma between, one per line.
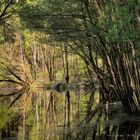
x=71, y=115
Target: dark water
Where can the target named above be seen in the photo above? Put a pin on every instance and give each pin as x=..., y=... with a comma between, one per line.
x=70, y=115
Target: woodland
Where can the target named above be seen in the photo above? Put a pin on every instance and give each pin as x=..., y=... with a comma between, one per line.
x=43, y=42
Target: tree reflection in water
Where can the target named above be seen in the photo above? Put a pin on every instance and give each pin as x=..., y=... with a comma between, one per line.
x=48, y=115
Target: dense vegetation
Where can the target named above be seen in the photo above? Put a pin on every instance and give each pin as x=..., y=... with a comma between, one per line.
x=46, y=41
x=87, y=50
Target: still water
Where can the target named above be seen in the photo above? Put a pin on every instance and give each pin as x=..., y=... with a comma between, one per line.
x=69, y=115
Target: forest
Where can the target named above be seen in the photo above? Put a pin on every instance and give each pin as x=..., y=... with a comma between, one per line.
x=67, y=65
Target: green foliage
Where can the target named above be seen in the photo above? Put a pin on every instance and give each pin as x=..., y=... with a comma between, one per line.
x=57, y=17
x=68, y=21
x=4, y=115
x=117, y=22
x=1, y=40
x=138, y=52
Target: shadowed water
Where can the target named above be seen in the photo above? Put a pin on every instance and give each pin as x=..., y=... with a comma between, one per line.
x=67, y=115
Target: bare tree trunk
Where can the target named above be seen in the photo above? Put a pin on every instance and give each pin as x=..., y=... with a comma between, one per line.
x=66, y=63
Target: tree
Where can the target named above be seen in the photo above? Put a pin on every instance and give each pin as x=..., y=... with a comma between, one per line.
x=107, y=28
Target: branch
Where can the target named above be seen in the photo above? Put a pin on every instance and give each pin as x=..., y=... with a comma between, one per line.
x=20, y=94
x=7, y=15
x=10, y=94
x=46, y=15
x=6, y=7
x=16, y=76
x=10, y=81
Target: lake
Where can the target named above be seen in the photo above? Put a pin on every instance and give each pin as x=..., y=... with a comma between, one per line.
x=67, y=115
